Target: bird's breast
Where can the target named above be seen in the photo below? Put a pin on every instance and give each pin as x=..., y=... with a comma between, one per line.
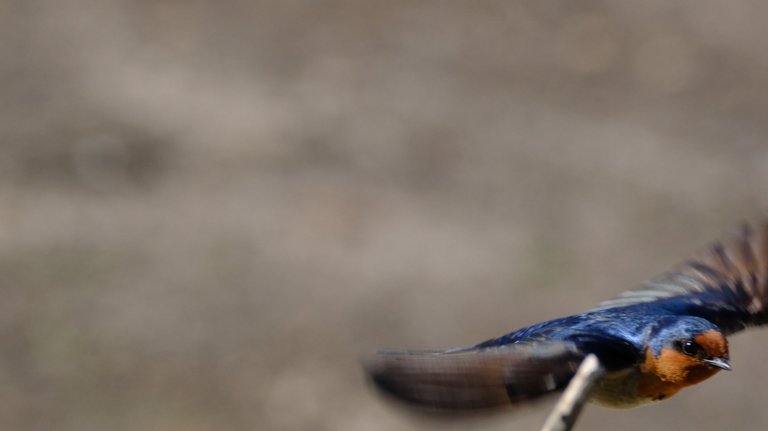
x=621, y=389
x=631, y=388
x=655, y=379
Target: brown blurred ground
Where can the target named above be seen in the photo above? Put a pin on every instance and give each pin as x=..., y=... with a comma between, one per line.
x=208, y=210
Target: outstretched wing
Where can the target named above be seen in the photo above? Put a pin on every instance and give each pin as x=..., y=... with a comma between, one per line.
x=725, y=283
x=473, y=380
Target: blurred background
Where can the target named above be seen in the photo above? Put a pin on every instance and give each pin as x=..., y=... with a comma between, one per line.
x=210, y=210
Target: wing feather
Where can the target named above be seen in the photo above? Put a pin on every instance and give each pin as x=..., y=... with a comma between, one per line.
x=473, y=380
x=726, y=282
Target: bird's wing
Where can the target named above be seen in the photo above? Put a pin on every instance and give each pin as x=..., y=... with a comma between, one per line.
x=725, y=283
x=474, y=380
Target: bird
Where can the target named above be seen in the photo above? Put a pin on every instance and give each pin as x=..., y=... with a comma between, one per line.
x=654, y=340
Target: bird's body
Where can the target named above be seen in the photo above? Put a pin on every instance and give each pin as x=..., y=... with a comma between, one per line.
x=624, y=342
x=652, y=341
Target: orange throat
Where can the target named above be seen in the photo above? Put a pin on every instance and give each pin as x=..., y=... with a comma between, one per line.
x=665, y=375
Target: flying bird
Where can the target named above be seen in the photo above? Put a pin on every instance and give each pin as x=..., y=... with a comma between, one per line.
x=653, y=341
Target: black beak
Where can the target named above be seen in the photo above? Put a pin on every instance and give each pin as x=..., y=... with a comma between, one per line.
x=719, y=363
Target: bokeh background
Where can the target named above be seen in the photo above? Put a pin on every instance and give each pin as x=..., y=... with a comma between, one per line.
x=210, y=210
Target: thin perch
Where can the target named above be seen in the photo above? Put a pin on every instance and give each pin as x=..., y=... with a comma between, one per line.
x=568, y=407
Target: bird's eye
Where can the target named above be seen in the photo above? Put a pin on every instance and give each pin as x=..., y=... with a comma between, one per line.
x=689, y=347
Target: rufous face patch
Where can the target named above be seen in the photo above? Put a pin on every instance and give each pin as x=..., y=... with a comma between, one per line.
x=714, y=343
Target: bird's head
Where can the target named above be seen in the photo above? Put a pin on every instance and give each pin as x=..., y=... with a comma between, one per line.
x=686, y=350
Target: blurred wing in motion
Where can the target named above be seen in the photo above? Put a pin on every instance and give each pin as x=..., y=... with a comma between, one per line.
x=474, y=379
x=726, y=283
